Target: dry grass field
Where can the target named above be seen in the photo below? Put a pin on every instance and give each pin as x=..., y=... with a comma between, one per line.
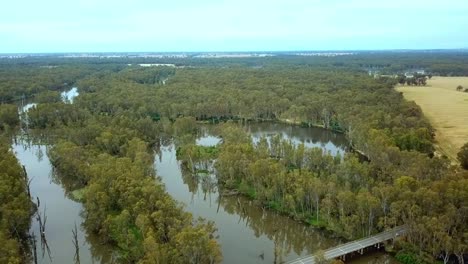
x=446, y=109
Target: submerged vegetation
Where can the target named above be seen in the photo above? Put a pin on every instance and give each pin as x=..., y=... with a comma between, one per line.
x=125, y=204
x=105, y=143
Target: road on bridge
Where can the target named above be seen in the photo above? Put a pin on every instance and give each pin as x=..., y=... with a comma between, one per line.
x=354, y=246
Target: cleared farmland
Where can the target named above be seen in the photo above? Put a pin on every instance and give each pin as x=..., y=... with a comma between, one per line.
x=446, y=108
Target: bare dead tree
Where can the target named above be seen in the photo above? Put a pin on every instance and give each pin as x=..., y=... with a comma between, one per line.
x=27, y=181
x=219, y=201
x=42, y=220
x=45, y=248
x=278, y=250
x=76, y=258
x=33, y=241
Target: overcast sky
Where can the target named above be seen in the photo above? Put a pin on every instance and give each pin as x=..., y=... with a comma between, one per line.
x=231, y=25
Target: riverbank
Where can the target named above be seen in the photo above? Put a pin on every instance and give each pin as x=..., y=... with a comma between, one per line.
x=16, y=207
x=243, y=191
x=59, y=213
x=247, y=233
x=362, y=154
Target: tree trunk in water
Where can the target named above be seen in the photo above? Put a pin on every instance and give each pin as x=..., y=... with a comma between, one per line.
x=317, y=208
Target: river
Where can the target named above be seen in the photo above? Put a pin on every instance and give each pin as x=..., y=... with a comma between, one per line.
x=61, y=211
x=247, y=233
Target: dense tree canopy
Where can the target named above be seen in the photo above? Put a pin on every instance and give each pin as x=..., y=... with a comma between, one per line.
x=105, y=143
x=8, y=116
x=15, y=207
x=15, y=203
x=125, y=204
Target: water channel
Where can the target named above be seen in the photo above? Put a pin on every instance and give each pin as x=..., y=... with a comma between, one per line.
x=61, y=210
x=247, y=233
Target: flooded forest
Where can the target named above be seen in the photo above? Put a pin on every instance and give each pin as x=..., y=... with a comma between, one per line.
x=229, y=160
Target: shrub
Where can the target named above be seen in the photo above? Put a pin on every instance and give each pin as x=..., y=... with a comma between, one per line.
x=463, y=156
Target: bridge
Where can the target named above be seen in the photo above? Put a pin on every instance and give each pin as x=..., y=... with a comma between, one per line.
x=355, y=246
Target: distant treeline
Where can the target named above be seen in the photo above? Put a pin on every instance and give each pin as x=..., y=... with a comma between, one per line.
x=437, y=62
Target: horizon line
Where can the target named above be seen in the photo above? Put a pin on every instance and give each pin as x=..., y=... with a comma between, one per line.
x=228, y=51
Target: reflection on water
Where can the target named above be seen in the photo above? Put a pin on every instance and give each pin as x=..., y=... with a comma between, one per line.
x=377, y=257
x=247, y=233
x=62, y=213
x=68, y=96
x=208, y=140
x=329, y=141
x=26, y=107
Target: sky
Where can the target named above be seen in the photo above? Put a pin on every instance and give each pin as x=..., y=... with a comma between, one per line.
x=32, y=26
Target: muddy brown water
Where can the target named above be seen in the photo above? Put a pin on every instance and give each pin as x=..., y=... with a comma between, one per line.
x=247, y=233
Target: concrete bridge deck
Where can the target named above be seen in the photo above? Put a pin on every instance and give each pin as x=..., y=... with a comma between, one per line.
x=354, y=246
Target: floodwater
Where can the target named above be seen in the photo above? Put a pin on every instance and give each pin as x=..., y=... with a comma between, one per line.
x=27, y=107
x=69, y=95
x=61, y=211
x=331, y=142
x=247, y=233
